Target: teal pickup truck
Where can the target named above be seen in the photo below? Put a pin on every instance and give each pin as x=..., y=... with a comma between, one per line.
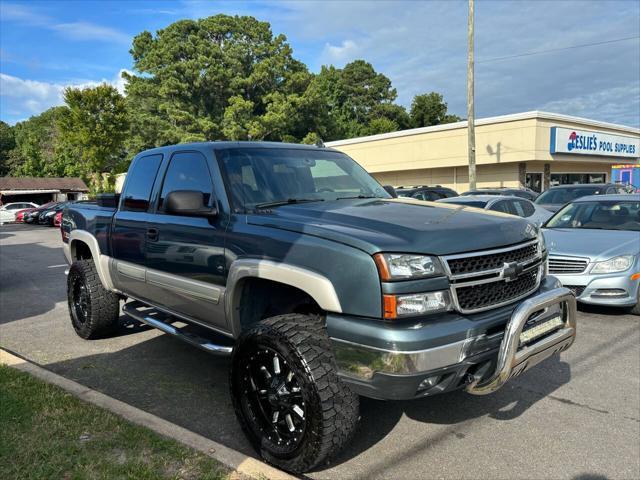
x=319, y=285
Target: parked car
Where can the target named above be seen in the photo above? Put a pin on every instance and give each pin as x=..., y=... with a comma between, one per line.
x=32, y=216
x=556, y=197
x=426, y=192
x=319, y=284
x=8, y=210
x=20, y=214
x=501, y=203
x=594, y=249
x=47, y=216
x=514, y=192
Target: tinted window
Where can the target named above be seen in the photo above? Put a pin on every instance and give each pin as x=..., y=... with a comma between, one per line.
x=467, y=203
x=526, y=208
x=188, y=171
x=559, y=196
x=420, y=196
x=139, y=183
x=503, y=206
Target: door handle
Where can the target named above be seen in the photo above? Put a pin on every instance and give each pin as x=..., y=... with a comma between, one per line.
x=153, y=234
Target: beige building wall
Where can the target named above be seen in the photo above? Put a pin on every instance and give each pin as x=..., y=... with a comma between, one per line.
x=438, y=155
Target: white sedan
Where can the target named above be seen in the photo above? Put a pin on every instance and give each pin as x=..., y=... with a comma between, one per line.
x=520, y=207
x=8, y=210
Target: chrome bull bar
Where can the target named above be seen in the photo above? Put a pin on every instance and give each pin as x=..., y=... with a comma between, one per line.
x=511, y=361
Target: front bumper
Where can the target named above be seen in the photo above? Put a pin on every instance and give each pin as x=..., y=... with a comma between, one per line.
x=478, y=352
x=615, y=289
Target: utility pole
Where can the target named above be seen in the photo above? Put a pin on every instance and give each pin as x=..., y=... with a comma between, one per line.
x=471, y=128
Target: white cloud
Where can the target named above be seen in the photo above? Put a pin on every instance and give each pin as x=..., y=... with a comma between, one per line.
x=22, y=97
x=90, y=31
x=78, y=30
x=339, y=54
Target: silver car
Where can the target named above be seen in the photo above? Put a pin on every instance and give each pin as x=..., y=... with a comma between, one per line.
x=512, y=205
x=594, y=249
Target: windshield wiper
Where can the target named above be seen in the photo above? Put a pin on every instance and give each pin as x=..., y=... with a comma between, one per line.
x=288, y=201
x=357, y=196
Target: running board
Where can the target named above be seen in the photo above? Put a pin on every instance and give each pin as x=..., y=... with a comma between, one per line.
x=160, y=320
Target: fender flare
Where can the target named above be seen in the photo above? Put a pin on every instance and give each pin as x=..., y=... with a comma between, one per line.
x=313, y=284
x=101, y=261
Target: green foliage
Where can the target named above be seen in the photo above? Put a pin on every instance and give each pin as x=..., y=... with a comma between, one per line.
x=7, y=144
x=96, y=126
x=221, y=77
x=430, y=109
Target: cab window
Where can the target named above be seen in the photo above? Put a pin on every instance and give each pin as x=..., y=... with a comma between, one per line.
x=187, y=171
x=139, y=183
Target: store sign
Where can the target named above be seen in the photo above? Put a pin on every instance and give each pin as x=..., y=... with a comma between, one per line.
x=584, y=142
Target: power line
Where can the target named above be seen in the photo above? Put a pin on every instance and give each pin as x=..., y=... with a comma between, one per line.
x=538, y=52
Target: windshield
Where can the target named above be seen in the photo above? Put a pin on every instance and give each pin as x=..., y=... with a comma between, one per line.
x=260, y=177
x=602, y=215
x=560, y=196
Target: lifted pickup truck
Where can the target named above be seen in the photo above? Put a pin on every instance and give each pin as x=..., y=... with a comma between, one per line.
x=322, y=287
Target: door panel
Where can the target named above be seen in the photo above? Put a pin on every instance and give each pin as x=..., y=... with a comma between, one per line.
x=185, y=262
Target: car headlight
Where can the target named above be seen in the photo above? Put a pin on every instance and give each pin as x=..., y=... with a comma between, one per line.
x=396, y=306
x=405, y=266
x=49, y=214
x=613, y=265
x=542, y=245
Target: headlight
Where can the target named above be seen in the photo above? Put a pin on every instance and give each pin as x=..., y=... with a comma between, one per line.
x=49, y=214
x=542, y=245
x=403, y=266
x=613, y=265
x=396, y=306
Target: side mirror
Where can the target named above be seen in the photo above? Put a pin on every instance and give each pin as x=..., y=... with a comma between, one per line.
x=188, y=203
x=390, y=190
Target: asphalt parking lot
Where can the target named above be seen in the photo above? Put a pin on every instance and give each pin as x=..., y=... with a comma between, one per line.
x=576, y=416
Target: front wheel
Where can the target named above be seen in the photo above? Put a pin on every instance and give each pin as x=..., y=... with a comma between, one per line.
x=287, y=395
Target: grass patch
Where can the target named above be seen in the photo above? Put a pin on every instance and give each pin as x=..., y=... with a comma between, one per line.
x=47, y=433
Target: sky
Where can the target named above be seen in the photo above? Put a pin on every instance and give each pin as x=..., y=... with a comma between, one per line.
x=420, y=45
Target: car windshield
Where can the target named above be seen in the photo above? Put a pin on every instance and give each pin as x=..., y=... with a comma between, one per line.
x=599, y=215
x=267, y=177
x=560, y=196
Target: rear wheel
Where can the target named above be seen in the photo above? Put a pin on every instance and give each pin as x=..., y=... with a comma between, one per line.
x=94, y=310
x=287, y=395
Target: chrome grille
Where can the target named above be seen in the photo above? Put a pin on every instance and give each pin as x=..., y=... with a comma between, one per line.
x=492, y=278
x=492, y=261
x=560, y=265
x=482, y=295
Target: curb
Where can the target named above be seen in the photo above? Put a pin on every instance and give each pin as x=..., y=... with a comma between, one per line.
x=229, y=457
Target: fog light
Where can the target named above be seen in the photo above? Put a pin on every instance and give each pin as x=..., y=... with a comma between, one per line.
x=609, y=292
x=428, y=382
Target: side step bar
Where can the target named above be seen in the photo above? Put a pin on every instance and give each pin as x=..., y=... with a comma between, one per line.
x=160, y=320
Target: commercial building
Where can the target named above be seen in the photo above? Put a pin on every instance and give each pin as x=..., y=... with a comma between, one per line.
x=533, y=149
x=41, y=189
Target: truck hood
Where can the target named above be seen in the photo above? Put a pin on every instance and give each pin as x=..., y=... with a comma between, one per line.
x=594, y=244
x=399, y=225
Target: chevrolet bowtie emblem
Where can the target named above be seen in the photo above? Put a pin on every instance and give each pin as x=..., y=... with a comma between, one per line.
x=511, y=271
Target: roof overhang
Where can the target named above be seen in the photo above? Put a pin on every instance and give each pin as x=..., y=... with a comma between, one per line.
x=27, y=192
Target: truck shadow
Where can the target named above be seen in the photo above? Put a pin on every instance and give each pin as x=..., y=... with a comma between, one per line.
x=189, y=387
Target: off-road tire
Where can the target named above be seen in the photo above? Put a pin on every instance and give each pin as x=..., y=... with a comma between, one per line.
x=331, y=410
x=101, y=310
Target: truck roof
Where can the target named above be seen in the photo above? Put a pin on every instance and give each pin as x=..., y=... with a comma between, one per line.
x=218, y=145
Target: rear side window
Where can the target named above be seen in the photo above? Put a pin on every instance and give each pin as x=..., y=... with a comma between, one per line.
x=527, y=208
x=188, y=171
x=140, y=180
x=503, y=206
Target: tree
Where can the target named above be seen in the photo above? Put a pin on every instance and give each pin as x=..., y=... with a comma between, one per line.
x=213, y=78
x=359, y=101
x=7, y=144
x=40, y=150
x=95, y=126
x=430, y=109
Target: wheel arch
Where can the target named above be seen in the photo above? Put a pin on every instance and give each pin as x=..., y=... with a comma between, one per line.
x=304, y=283
x=84, y=245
